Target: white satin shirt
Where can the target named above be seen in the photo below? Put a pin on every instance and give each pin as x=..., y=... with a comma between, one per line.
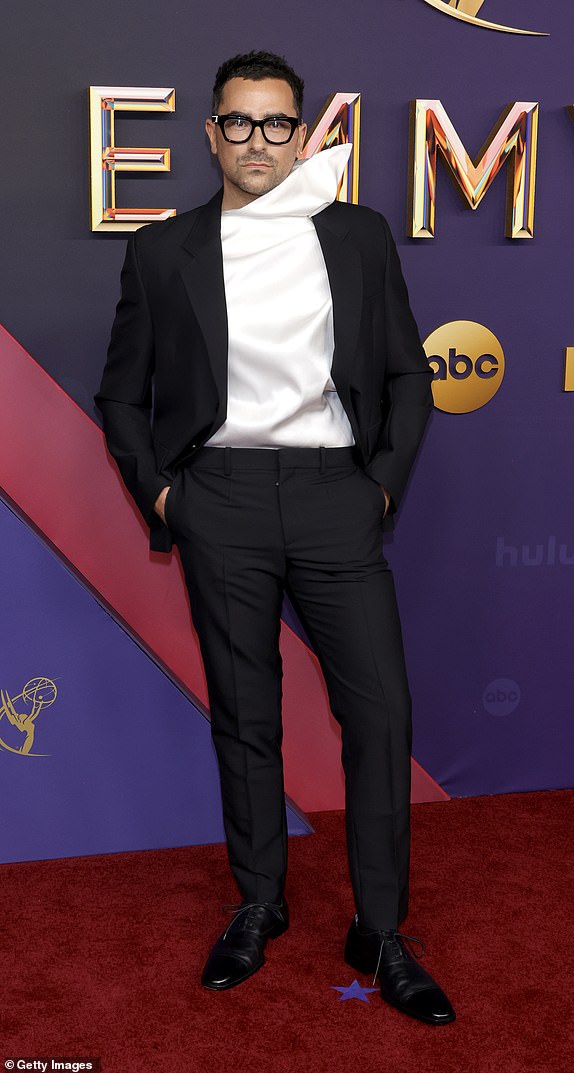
x=280, y=316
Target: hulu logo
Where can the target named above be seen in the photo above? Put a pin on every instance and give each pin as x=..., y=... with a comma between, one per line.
x=549, y=554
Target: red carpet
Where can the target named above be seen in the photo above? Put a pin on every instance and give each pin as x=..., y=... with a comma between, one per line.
x=102, y=955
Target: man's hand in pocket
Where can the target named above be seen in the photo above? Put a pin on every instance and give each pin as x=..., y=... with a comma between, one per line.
x=159, y=505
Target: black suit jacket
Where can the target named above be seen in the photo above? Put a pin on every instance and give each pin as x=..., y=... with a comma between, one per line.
x=164, y=387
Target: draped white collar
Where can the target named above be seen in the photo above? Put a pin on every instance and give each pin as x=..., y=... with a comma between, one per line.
x=310, y=186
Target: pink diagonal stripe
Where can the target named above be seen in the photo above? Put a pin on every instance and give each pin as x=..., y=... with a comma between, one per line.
x=55, y=468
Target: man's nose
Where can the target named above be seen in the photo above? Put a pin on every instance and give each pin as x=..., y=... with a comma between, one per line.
x=257, y=139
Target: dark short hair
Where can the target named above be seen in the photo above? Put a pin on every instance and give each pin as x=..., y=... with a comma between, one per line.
x=256, y=66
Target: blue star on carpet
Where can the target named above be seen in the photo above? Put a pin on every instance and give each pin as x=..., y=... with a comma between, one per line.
x=354, y=990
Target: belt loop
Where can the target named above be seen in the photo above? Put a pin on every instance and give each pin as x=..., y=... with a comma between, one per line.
x=322, y=459
x=227, y=461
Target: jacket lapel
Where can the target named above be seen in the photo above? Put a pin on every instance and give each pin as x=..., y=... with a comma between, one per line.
x=344, y=270
x=202, y=274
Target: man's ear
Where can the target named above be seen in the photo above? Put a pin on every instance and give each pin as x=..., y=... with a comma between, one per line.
x=210, y=131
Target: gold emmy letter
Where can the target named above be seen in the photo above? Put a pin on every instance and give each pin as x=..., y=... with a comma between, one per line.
x=512, y=141
x=337, y=124
x=569, y=368
x=106, y=158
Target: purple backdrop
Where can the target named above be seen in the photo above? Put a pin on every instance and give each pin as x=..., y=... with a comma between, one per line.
x=485, y=599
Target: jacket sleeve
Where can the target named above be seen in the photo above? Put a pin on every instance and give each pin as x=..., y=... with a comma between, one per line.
x=407, y=401
x=125, y=395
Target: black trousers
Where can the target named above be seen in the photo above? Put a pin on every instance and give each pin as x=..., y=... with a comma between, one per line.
x=251, y=524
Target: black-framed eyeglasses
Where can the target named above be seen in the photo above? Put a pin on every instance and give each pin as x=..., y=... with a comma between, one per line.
x=278, y=130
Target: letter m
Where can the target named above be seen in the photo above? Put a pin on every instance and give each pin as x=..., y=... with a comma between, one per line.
x=512, y=141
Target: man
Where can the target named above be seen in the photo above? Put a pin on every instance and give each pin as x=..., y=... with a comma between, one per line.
x=291, y=392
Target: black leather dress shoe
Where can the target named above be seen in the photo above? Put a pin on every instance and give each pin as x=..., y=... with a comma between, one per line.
x=238, y=953
x=404, y=983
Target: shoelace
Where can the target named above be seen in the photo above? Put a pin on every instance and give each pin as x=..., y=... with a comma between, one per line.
x=391, y=936
x=238, y=909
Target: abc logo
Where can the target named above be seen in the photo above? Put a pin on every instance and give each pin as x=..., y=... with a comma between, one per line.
x=468, y=364
x=501, y=697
